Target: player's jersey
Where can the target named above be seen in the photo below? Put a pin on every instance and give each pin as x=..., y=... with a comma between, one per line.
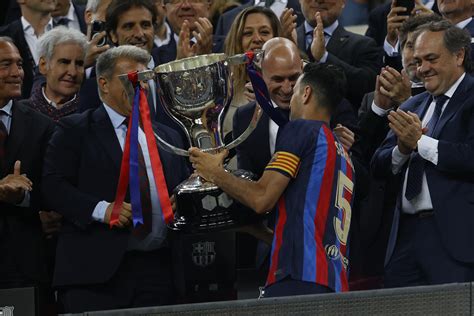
x=310, y=241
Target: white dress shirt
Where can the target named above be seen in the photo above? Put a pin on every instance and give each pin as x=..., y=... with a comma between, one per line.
x=277, y=7
x=32, y=39
x=428, y=150
x=72, y=18
x=158, y=234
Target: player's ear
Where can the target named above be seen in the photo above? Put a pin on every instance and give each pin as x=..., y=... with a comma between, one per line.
x=307, y=93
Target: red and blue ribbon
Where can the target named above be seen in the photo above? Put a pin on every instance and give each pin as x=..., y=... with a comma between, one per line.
x=261, y=92
x=129, y=170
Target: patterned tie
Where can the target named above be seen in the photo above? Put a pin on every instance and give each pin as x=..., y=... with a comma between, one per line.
x=62, y=21
x=3, y=141
x=416, y=167
x=143, y=230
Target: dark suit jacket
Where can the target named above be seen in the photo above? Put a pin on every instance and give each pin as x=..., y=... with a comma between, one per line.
x=20, y=227
x=15, y=31
x=357, y=55
x=451, y=181
x=80, y=9
x=167, y=53
x=82, y=167
x=226, y=19
x=254, y=153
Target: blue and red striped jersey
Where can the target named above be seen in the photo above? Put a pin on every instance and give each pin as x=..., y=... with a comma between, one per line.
x=310, y=241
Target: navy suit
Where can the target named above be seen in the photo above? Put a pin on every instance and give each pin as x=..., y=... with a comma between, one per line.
x=450, y=182
x=357, y=55
x=226, y=19
x=82, y=168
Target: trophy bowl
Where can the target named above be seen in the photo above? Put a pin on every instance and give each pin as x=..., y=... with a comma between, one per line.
x=196, y=92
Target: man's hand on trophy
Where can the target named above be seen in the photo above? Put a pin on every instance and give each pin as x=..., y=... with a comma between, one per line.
x=207, y=165
x=203, y=36
x=125, y=217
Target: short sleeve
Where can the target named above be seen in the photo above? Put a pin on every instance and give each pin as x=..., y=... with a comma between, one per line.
x=290, y=147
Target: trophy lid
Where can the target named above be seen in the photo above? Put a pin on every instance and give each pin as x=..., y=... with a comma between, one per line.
x=190, y=63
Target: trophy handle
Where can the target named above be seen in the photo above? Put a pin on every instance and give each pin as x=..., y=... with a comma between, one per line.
x=242, y=137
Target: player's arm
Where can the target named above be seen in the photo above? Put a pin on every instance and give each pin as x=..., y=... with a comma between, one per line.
x=261, y=196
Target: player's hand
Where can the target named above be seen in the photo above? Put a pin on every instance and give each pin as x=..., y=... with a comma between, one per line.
x=248, y=92
x=207, y=165
x=125, y=216
x=318, y=46
x=14, y=186
x=173, y=202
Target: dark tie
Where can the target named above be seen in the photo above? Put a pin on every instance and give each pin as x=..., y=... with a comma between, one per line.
x=417, y=163
x=143, y=230
x=268, y=3
x=62, y=21
x=3, y=141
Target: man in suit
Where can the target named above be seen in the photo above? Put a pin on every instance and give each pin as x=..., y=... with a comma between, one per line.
x=192, y=31
x=226, y=19
x=326, y=41
x=430, y=146
x=69, y=14
x=376, y=206
x=99, y=267
x=35, y=20
x=24, y=136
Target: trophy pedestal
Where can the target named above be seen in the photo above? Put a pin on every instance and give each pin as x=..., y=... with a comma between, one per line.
x=204, y=266
x=203, y=207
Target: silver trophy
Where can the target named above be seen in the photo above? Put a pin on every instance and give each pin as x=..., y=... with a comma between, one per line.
x=196, y=92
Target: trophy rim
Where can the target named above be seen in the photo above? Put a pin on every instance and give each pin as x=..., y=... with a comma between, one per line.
x=190, y=63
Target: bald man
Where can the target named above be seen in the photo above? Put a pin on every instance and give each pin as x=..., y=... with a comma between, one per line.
x=309, y=182
x=281, y=68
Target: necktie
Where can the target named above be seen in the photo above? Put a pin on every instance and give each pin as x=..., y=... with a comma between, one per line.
x=268, y=3
x=62, y=21
x=143, y=230
x=417, y=163
x=3, y=141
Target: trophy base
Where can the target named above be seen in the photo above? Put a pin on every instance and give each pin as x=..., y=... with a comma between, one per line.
x=203, y=207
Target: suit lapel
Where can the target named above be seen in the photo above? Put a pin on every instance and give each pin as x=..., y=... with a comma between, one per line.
x=337, y=40
x=301, y=37
x=454, y=104
x=102, y=127
x=20, y=127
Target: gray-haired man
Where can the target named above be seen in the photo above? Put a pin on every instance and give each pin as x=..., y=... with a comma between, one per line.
x=98, y=267
x=62, y=52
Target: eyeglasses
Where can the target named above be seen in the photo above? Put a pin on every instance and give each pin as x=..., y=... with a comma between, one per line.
x=177, y=2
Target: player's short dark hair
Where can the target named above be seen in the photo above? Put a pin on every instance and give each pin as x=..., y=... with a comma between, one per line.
x=119, y=7
x=328, y=83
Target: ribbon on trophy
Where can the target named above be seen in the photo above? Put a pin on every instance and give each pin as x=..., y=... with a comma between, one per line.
x=129, y=170
x=261, y=91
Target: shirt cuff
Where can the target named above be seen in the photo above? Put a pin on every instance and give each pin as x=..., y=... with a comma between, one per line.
x=379, y=111
x=99, y=211
x=324, y=58
x=428, y=148
x=389, y=49
x=398, y=160
x=26, y=200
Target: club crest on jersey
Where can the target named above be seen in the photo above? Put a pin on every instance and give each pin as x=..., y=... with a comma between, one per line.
x=332, y=252
x=203, y=253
